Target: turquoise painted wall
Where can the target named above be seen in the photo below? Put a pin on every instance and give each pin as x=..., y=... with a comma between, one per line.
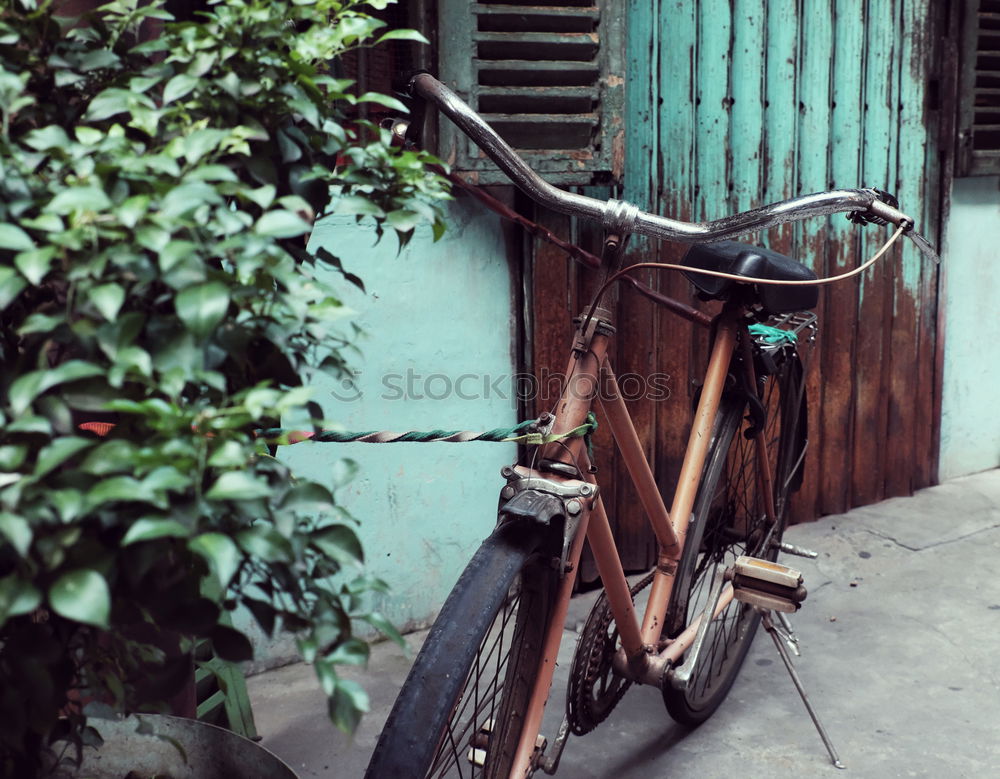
x=970, y=422
x=434, y=312
x=736, y=103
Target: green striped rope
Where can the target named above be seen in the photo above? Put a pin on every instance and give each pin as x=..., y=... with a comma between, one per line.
x=522, y=433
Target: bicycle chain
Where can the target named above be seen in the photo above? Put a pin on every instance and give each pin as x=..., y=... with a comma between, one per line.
x=594, y=687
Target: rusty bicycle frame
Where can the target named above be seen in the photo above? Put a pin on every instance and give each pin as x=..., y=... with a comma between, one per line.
x=642, y=656
x=563, y=474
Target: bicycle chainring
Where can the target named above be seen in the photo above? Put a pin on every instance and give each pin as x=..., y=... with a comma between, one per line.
x=594, y=687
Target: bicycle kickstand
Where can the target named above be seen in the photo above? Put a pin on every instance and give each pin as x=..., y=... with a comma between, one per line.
x=777, y=635
x=771, y=588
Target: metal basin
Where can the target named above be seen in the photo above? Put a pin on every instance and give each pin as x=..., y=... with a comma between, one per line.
x=176, y=748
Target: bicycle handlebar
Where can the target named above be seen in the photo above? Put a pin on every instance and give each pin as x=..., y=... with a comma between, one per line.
x=624, y=218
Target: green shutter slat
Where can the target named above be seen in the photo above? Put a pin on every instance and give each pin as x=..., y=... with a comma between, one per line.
x=527, y=131
x=536, y=45
x=538, y=99
x=507, y=18
x=533, y=73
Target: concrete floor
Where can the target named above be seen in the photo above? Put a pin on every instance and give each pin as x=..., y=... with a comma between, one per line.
x=900, y=641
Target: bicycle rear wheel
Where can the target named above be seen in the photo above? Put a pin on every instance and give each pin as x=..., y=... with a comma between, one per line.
x=729, y=520
x=461, y=710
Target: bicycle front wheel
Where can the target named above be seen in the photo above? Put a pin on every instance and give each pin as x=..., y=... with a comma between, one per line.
x=729, y=520
x=461, y=710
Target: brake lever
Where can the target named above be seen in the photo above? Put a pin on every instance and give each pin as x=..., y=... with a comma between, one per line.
x=923, y=245
x=884, y=210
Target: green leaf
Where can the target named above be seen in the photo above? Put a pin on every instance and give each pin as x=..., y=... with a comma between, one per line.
x=148, y=528
x=12, y=284
x=262, y=196
x=82, y=198
x=69, y=503
x=231, y=645
x=281, y=224
x=13, y=237
x=307, y=496
x=338, y=542
x=355, y=204
x=29, y=386
x=344, y=471
x=176, y=251
x=119, y=488
x=110, y=456
x=202, y=306
x=380, y=623
x=58, y=452
x=45, y=138
x=265, y=543
x=16, y=530
x=40, y=323
x=165, y=478
x=221, y=554
x=130, y=359
x=325, y=255
x=229, y=455
x=30, y=424
x=401, y=35
x=17, y=597
x=88, y=136
x=388, y=102
x=346, y=705
x=98, y=58
x=35, y=264
x=12, y=456
x=238, y=485
x=83, y=596
x=402, y=220
x=178, y=87
x=113, y=101
x=132, y=210
x=108, y=299
x=354, y=651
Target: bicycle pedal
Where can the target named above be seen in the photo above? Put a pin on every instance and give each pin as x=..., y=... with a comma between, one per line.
x=767, y=585
x=800, y=551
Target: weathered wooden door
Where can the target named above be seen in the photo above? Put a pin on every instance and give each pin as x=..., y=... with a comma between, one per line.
x=735, y=103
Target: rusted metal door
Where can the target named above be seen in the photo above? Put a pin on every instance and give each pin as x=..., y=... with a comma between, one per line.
x=735, y=103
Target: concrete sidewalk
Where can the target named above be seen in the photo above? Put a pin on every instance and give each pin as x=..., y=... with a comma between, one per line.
x=900, y=640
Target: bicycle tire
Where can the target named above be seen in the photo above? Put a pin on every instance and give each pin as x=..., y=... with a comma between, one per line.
x=465, y=690
x=728, y=520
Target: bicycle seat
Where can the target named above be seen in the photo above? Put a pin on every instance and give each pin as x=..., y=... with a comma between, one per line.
x=741, y=259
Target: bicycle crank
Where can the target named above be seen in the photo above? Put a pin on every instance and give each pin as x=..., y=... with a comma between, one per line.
x=594, y=686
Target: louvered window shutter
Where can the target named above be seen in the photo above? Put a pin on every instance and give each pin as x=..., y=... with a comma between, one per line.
x=548, y=78
x=979, y=90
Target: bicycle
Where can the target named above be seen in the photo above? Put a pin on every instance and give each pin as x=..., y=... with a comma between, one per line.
x=473, y=702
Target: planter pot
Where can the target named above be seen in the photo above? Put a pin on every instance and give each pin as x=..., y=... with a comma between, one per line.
x=177, y=748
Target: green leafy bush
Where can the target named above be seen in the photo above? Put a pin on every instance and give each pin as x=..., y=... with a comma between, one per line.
x=158, y=182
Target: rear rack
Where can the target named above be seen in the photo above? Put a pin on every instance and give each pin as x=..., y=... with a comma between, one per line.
x=801, y=323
